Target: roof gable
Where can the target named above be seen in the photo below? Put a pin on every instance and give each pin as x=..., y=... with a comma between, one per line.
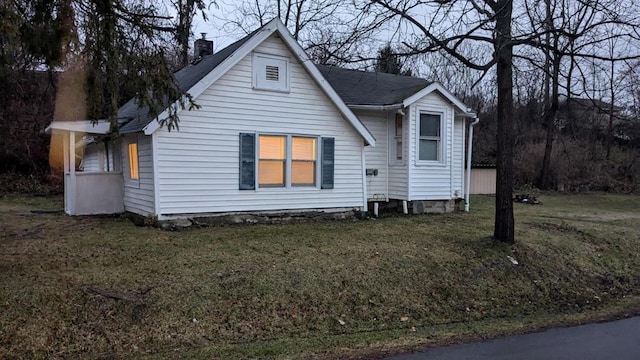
x=186, y=78
x=200, y=80
x=444, y=92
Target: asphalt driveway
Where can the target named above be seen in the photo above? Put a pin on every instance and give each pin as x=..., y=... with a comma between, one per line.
x=619, y=340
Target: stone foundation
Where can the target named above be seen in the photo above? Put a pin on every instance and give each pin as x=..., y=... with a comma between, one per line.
x=432, y=206
x=248, y=218
x=420, y=206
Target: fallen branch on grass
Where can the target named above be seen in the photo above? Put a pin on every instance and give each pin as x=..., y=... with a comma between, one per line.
x=133, y=295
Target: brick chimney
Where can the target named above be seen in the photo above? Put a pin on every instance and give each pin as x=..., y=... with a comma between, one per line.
x=202, y=47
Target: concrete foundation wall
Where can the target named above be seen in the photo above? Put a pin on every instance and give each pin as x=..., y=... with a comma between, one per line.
x=432, y=206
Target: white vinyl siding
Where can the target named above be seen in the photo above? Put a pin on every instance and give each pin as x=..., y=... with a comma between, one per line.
x=138, y=195
x=198, y=166
x=457, y=171
x=95, y=158
x=376, y=157
x=399, y=170
x=431, y=180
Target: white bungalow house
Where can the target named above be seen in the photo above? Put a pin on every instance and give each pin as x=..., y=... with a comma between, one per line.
x=274, y=133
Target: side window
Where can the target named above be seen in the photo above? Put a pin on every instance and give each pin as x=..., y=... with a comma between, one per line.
x=132, y=150
x=270, y=72
x=429, y=137
x=395, y=139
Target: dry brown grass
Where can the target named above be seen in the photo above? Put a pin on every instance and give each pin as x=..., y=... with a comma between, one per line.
x=282, y=291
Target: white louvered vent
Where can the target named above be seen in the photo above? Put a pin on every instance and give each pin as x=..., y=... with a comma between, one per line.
x=272, y=73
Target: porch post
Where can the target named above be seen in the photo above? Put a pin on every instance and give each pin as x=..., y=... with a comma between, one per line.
x=72, y=174
x=65, y=173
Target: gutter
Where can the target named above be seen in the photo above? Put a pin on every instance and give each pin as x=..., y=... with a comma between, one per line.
x=376, y=107
x=469, y=153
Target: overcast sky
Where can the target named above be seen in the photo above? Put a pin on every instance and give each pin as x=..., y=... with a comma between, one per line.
x=214, y=27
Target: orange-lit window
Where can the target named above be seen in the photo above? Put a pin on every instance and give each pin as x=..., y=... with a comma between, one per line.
x=287, y=161
x=303, y=161
x=133, y=161
x=272, y=161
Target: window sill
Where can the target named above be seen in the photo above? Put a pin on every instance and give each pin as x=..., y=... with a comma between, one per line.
x=287, y=189
x=435, y=164
x=132, y=184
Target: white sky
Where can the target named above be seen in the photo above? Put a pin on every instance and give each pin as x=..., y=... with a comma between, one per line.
x=214, y=27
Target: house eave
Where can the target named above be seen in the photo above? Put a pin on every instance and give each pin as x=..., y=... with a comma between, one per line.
x=84, y=126
x=376, y=107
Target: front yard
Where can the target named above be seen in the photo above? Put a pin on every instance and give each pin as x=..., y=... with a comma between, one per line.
x=102, y=287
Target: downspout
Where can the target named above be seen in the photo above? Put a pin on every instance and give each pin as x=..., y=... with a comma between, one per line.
x=365, y=196
x=106, y=150
x=469, y=151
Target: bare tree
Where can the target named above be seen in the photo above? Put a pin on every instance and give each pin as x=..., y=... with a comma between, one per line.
x=450, y=27
x=186, y=12
x=573, y=29
x=487, y=24
x=331, y=31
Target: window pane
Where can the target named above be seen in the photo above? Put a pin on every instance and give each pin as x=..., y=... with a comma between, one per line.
x=428, y=149
x=133, y=161
x=303, y=148
x=429, y=125
x=271, y=172
x=272, y=147
x=399, y=150
x=303, y=173
x=398, y=125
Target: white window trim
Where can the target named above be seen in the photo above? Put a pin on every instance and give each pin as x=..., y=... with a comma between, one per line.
x=442, y=150
x=288, y=186
x=129, y=182
x=393, y=160
x=255, y=61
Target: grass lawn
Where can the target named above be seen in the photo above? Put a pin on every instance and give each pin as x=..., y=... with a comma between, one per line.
x=343, y=289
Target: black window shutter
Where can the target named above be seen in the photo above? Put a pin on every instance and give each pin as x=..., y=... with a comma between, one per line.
x=328, y=156
x=247, y=161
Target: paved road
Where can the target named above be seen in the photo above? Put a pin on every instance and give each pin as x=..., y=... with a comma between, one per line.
x=617, y=340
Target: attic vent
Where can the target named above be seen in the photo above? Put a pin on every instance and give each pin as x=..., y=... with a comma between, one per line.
x=272, y=73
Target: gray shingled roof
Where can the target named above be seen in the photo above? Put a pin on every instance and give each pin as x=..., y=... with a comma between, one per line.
x=371, y=88
x=135, y=118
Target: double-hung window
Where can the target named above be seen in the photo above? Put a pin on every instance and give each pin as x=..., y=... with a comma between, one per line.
x=286, y=160
x=430, y=137
x=397, y=137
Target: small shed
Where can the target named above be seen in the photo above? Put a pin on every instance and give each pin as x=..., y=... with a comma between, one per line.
x=483, y=179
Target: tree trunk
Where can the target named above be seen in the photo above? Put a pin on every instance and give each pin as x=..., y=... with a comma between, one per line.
x=504, y=222
x=549, y=66
x=609, y=139
x=183, y=31
x=544, y=181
